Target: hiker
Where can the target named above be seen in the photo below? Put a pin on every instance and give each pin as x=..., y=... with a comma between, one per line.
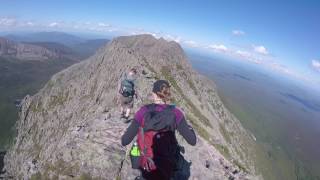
x=155, y=125
x=127, y=92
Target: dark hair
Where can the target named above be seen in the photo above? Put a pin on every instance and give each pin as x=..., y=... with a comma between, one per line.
x=134, y=70
x=162, y=89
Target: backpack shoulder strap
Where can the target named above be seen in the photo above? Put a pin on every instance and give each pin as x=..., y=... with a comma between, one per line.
x=150, y=108
x=169, y=108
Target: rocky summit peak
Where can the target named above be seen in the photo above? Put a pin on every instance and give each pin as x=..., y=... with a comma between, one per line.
x=71, y=128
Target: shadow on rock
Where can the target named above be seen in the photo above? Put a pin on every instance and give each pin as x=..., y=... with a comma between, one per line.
x=2, y=154
x=183, y=168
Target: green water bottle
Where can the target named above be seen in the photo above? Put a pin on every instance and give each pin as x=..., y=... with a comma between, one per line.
x=135, y=150
x=135, y=156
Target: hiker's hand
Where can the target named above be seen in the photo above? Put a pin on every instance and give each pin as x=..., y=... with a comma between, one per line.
x=149, y=167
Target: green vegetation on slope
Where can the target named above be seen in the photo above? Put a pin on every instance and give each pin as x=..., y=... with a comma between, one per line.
x=269, y=159
x=17, y=79
x=165, y=71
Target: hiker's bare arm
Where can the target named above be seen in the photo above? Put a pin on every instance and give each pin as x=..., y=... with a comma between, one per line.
x=187, y=132
x=130, y=133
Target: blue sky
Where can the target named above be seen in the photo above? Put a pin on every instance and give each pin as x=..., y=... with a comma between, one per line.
x=282, y=36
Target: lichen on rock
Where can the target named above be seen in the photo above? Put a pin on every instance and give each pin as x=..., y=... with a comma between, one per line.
x=71, y=128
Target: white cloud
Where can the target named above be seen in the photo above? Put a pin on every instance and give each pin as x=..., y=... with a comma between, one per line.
x=53, y=24
x=248, y=56
x=219, y=47
x=153, y=34
x=191, y=43
x=280, y=68
x=9, y=22
x=243, y=53
x=29, y=23
x=104, y=24
x=261, y=50
x=169, y=37
x=316, y=64
x=238, y=33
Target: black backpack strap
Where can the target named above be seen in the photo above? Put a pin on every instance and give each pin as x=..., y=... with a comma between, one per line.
x=169, y=108
x=152, y=118
x=151, y=107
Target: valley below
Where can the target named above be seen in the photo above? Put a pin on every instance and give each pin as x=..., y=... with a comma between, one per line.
x=282, y=115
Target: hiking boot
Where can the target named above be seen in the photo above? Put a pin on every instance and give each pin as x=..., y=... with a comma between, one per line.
x=126, y=119
x=139, y=178
x=122, y=115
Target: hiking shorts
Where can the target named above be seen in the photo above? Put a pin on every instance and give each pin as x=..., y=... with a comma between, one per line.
x=126, y=102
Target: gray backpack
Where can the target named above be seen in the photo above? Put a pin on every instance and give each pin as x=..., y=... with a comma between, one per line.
x=127, y=88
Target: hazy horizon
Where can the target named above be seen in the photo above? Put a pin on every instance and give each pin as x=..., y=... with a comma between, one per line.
x=282, y=115
x=284, y=41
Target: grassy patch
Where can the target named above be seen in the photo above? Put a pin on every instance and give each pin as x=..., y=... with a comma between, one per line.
x=148, y=65
x=118, y=178
x=85, y=176
x=241, y=167
x=36, y=106
x=202, y=132
x=17, y=79
x=165, y=71
x=224, y=133
x=192, y=86
x=61, y=168
x=36, y=176
x=223, y=150
x=198, y=114
x=179, y=67
x=58, y=99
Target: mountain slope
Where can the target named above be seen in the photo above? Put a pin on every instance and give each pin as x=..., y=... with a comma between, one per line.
x=54, y=36
x=25, y=68
x=71, y=127
x=24, y=51
x=89, y=47
x=34, y=51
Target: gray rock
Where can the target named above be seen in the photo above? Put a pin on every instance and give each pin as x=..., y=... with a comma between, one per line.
x=28, y=51
x=72, y=128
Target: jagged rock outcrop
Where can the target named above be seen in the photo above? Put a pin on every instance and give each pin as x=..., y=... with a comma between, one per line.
x=28, y=51
x=71, y=127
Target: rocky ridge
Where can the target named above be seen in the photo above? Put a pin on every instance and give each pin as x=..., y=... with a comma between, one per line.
x=71, y=128
x=33, y=51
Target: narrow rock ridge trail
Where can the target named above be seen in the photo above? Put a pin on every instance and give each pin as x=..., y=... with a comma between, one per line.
x=71, y=129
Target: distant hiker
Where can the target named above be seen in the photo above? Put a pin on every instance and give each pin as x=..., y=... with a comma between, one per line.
x=127, y=92
x=155, y=125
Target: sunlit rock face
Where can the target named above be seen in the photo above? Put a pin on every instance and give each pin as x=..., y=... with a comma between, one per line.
x=71, y=128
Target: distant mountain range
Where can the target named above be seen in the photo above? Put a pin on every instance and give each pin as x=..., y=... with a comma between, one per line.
x=48, y=45
x=34, y=51
x=50, y=144
x=57, y=37
x=27, y=62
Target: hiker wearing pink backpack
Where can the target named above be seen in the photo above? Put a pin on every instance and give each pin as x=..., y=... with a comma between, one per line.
x=156, y=147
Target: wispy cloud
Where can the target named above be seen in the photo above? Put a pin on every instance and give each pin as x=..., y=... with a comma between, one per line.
x=245, y=55
x=53, y=24
x=218, y=47
x=260, y=50
x=238, y=33
x=191, y=43
x=29, y=23
x=315, y=65
x=7, y=21
x=104, y=24
x=170, y=37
